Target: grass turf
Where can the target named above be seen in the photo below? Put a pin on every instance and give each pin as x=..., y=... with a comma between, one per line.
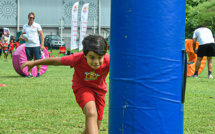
x=47, y=104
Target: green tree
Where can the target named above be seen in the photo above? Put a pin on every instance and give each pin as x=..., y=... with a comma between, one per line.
x=204, y=13
x=194, y=3
x=197, y=12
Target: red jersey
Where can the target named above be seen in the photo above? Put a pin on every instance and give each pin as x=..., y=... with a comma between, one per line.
x=5, y=44
x=11, y=46
x=17, y=44
x=84, y=75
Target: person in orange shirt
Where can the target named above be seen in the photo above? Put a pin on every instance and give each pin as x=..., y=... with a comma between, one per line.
x=5, y=49
x=0, y=48
x=11, y=47
x=17, y=43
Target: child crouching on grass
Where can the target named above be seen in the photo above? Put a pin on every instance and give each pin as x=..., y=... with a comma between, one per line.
x=89, y=79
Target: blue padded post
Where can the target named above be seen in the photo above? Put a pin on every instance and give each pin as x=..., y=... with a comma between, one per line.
x=146, y=66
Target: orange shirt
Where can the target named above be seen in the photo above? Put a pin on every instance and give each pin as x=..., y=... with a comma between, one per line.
x=5, y=46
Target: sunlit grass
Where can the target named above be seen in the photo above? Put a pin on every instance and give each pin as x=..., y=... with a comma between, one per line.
x=40, y=105
x=48, y=105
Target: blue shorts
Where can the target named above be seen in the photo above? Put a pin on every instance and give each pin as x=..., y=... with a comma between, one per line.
x=4, y=51
x=33, y=51
x=0, y=51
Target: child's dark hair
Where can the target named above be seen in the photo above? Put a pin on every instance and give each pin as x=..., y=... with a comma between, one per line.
x=95, y=43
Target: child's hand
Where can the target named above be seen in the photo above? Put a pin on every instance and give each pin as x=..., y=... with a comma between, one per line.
x=29, y=64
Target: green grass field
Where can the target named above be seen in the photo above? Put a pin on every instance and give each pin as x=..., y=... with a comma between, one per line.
x=47, y=104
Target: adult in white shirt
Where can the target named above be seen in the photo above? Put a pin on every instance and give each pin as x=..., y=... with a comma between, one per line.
x=32, y=46
x=206, y=48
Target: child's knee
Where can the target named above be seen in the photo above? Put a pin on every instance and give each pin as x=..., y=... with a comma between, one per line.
x=91, y=112
x=90, y=109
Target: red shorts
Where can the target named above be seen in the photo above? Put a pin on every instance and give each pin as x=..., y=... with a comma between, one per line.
x=84, y=95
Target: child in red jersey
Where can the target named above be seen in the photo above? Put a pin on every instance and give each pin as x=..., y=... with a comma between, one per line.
x=89, y=79
x=17, y=43
x=5, y=49
x=11, y=47
x=0, y=48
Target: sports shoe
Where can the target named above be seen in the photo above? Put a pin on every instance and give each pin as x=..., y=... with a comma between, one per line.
x=210, y=76
x=38, y=75
x=29, y=76
x=194, y=76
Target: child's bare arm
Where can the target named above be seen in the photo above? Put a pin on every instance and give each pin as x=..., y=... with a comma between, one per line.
x=47, y=61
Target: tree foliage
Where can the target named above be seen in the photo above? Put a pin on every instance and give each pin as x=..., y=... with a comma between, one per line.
x=194, y=3
x=199, y=12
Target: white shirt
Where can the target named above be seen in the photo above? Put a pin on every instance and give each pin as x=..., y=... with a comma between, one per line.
x=2, y=39
x=203, y=35
x=32, y=34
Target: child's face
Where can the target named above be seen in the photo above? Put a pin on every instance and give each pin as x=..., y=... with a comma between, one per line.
x=94, y=60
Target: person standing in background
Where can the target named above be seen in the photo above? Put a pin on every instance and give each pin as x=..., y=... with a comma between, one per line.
x=11, y=47
x=0, y=48
x=2, y=38
x=206, y=48
x=32, y=47
x=17, y=43
x=5, y=49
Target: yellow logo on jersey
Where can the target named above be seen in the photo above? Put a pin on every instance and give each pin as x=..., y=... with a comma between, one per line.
x=92, y=75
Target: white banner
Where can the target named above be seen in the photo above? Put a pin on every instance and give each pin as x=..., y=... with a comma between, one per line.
x=7, y=35
x=83, y=26
x=74, y=26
